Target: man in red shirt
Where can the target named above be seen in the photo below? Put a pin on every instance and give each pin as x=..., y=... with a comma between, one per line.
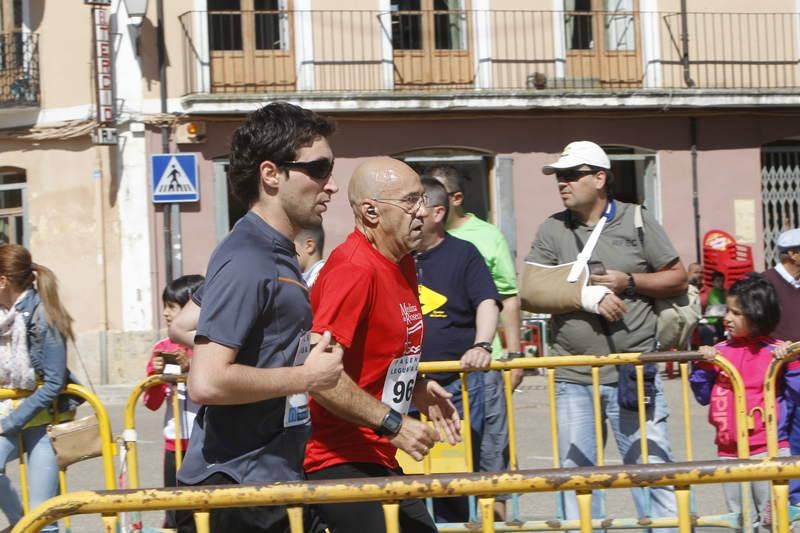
x=366, y=296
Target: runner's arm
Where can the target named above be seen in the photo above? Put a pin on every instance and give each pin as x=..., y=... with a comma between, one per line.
x=216, y=379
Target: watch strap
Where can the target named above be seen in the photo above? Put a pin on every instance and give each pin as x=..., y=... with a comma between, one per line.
x=390, y=425
x=485, y=345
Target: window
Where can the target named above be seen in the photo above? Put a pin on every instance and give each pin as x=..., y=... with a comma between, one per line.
x=450, y=27
x=406, y=25
x=12, y=206
x=225, y=24
x=578, y=22
x=269, y=34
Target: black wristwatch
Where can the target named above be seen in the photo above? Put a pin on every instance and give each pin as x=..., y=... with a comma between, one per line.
x=630, y=290
x=391, y=424
x=485, y=345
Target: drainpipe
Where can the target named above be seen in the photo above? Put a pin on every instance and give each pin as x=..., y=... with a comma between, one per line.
x=172, y=212
x=687, y=77
x=695, y=180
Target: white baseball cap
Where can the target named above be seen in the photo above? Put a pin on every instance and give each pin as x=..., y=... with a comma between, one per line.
x=579, y=153
x=789, y=240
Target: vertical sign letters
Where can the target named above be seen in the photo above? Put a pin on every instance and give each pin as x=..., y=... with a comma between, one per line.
x=102, y=52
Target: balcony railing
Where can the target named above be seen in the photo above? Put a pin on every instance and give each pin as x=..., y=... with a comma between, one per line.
x=19, y=69
x=467, y=51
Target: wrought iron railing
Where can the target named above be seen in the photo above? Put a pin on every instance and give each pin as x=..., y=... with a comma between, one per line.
x=19, y=69
x=496, y=50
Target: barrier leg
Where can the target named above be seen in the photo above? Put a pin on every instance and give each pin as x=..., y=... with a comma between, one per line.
x=295, y=513
x=585, y=510
x=202, y=521
x=487, y=514
x=110, y=523
x=682, y=496
x=391, y=514
x=780, y=498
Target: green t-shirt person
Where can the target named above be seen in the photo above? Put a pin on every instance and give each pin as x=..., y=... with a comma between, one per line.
x=492, y=245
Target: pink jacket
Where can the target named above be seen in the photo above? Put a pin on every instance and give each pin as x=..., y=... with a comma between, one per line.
x=712, y=387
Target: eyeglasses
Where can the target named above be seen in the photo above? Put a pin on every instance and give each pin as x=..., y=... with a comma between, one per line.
x=410, y=203
x=319, y=169
x=573, y=174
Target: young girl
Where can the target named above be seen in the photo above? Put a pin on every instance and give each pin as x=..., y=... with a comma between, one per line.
x=34, y=328
x=165, y=353
x=753, y=312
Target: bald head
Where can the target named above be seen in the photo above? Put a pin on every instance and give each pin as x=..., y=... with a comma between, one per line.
x=373, y=177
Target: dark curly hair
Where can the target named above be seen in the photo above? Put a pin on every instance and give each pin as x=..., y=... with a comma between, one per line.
x=272, y=133
x=759, y=302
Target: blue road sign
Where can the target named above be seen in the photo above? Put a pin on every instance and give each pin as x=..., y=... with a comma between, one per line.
x=174, y=178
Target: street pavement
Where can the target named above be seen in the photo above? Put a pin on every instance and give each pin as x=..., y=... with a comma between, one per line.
x=534, y=451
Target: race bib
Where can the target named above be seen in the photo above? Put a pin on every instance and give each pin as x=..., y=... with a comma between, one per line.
x=296, y=412
x=399, y=385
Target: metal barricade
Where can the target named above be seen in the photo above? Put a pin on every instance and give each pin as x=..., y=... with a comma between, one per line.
x=550, y=363
x=129, y=438
x=390, y=491
x=106, y=445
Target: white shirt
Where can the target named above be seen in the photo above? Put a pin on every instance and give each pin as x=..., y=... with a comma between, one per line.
x=310, y=275
x=780, y=269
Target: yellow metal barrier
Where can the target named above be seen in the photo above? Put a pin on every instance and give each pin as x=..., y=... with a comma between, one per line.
x=550, y=363
x=389, y=491
x=130, y=437
x=770, y=397
x=106, y=442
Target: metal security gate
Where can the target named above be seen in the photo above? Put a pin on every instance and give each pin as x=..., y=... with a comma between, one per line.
x=780, y=194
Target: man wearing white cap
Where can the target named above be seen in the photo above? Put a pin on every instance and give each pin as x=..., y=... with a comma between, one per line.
x=633, y=262
x=785, y=277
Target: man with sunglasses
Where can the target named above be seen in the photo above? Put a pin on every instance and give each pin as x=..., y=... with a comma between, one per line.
x=253, y=363
x=366, y=296
x=637, y=264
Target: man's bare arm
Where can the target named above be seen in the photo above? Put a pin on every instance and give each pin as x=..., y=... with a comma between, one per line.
x=349, y=402
x=671, y=280
x=216, y=379
x=509, y=317
x=184, y=325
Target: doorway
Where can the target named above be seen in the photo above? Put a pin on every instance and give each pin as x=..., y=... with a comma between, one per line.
x=475, y=168
x=636, y=177
x=249, y=45
x=603, y=43
x=431, y=43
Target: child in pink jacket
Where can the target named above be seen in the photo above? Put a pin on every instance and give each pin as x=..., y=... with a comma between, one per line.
x=753, y=312
x=169, y=357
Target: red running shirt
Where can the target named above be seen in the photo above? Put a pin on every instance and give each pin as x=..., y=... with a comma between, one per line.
x=370, y=305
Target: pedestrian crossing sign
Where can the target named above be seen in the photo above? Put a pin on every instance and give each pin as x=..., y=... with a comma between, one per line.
x=174, y=178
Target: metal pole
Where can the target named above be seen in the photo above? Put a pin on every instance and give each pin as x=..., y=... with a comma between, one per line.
x=687, y=77
x=172, y=212
x=695, y=187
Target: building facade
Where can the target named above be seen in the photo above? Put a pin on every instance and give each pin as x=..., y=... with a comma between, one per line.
x=696, y=107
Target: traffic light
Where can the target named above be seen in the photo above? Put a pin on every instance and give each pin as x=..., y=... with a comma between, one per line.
x=192, y=132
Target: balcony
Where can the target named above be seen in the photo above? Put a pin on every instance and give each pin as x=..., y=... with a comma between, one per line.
x=19, y=70
x=351, y=55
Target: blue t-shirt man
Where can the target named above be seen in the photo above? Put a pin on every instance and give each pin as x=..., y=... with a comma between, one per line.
x=254, y=299
x=453, y=281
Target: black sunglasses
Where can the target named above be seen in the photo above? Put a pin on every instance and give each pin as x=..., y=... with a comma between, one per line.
x=319, y=169
x=573, y=174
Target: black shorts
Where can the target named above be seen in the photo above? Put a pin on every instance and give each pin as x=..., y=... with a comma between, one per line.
x=271, y=519
x=368, y=516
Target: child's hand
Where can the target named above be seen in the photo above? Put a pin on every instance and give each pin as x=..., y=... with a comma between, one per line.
x=783, y=350
x=708, y=353
x=158, y=364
